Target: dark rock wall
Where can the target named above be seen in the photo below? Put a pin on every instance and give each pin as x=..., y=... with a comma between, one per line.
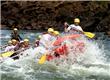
x=39, y=15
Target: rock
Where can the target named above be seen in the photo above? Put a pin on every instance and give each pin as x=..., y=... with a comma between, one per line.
x=41, y=15
x=108, y=33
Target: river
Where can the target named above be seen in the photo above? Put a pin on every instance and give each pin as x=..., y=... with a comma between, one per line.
x=97, y=53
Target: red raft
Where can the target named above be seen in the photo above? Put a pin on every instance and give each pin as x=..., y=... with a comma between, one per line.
x=61, y=39
x=63, y=49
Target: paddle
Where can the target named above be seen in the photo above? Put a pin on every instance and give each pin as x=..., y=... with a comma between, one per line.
x=9, y=53
x=12, y=52
x=6, y=54
x=88, y=34
x=42, y=59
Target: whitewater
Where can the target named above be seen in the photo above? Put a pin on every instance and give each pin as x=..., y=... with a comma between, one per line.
x=93, y=64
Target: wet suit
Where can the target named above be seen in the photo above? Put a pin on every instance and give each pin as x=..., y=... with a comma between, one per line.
x=13, y=56
x=16, y=36
x=18, y=47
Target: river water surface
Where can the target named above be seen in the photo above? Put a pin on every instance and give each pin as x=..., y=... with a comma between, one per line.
x=95, y=65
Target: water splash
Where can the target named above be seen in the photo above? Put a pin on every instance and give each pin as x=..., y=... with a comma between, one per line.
x=90, y=65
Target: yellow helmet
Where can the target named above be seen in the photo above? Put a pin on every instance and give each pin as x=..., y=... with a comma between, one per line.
x=15, y=29
x=77, y=20
x=13, y=40
x=9, y=42
x=26, y=40
x=39, y=36
x=56, y=33
x=50, y=30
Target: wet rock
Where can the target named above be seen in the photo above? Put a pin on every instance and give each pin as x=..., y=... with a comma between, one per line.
x=41, y=15
x=108, y=33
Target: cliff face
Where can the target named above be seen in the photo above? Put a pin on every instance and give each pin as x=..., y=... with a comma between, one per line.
x=37, y=15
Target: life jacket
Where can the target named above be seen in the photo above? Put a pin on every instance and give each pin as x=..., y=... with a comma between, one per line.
x=25, y=46
x=49, y=57
x=16, y=36
x=9, y=48
x=62, y=50
x=45, y=40
x=75, y=27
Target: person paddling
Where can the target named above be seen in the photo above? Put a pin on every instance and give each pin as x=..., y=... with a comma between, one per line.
x=15, y=35
x=26, y=43
x=10, y=46
x=51, y=56
x=75, y=28
x=20, y=46
x=46, y=42
x=46, y=38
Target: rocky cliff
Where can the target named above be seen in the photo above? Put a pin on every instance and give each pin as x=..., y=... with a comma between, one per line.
x=39, y=15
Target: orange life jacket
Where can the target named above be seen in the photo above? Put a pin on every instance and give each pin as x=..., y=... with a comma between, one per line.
x=62, y=50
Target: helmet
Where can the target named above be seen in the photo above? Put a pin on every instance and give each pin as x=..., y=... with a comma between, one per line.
x=77, y=20
x=50, y=30
x=15, y=29
x=13, y=40
x=39, y=36
x=26, y=40
x=9, y=42
x=56, y=33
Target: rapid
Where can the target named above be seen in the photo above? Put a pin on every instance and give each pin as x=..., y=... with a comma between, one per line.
x=93, y=64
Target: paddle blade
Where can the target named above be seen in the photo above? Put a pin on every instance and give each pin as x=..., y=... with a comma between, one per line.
x=7, y=54
x=42, y=59
x=89, y=34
